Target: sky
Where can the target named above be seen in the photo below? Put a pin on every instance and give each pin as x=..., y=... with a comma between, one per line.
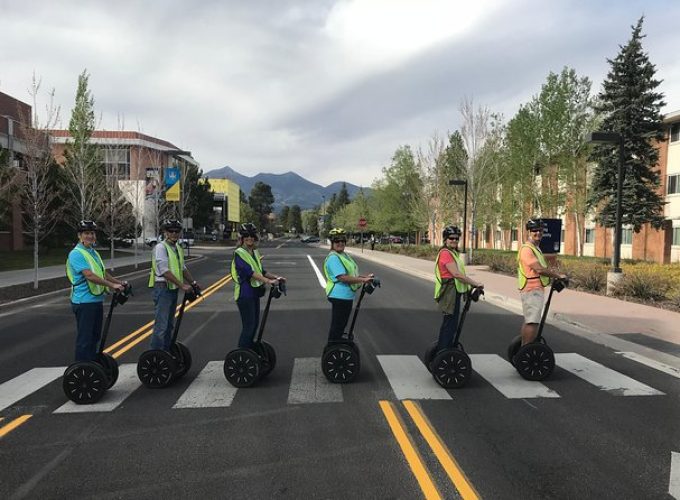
x=327, y=89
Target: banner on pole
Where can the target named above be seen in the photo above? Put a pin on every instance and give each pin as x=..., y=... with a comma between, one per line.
x=172, y=185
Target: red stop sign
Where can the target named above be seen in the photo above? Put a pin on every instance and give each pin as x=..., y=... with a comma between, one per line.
x=362, y=222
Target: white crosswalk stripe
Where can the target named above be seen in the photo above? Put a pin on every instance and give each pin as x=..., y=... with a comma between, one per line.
x=505, y=379
x=209, y=390
x=128, y=382
x=657, y=365
x=309, y=385
x=410, y=379
x=602, y=377
x=27, y=383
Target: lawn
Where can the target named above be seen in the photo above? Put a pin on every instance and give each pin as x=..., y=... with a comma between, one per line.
x=23, y=259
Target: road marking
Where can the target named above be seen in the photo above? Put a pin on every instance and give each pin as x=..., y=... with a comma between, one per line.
x=413, y=458
x=128, y=382
x=505, y=379
x=28, y=382
x=7, y=428
x=662, y=367
x=208, y=390
x=319, y=276
x=674, y=481
x=454, y=471
x=410, y=379
x=605, y=378
x=309, y=385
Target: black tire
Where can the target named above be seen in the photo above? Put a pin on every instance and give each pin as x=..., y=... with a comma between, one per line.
x=514, y=347
x=266, y=351
x=85, y=382
x=156, y=368
x=428, y=357
x=535, y=361
x=340, y=363
x=451, y=368
x=183, y=356
x=242, y=367
x=110, y=366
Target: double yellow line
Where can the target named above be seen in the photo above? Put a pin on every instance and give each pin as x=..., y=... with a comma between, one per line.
x=145, y=331
x=13, y=424
x=415, y=461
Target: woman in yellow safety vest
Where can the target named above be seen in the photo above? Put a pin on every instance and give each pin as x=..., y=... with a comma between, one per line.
x=451, y=282
x=89, y=281
x=249, y=279
x=342, y=282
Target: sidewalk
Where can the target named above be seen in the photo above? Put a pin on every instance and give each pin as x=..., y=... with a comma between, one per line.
x=597, y=316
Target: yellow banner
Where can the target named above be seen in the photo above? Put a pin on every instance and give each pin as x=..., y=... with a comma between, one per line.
x=172, y=194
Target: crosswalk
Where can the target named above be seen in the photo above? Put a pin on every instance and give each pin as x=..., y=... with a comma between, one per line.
x=407, y=376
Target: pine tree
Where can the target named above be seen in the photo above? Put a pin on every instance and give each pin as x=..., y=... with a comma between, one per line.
x=631, y=106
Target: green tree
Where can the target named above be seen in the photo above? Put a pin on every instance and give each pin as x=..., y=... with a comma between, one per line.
x=343, y=196
x=295, y=219
x=631, y=106
x=201, y=200
x=310, y=221
x=261, y=200
x=283, y=218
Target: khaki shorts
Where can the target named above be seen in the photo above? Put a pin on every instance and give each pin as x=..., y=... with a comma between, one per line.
x=532, y=306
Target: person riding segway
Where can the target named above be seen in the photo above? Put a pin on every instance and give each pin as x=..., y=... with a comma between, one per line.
x=340, y=361
x=254, y=357
x=528, y=352
x=167, y=277
x=93, y=371
x=446, y=359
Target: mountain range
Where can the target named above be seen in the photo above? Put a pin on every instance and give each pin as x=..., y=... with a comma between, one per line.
x=288, y=189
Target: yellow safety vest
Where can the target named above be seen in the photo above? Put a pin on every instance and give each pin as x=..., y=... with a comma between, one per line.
x=175, y=263
x=461, y=287
x=255, y=263
x=96, y=266
x=349, y=265
x=521, y=277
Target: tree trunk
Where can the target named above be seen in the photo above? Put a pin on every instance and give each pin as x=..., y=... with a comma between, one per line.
x=36, y=230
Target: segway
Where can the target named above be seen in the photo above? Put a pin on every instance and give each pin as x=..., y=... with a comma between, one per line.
x=157, y=368
x=536, y=361
x=245, y=367
x=451, y=367
x=341, y=361
x=85, y=382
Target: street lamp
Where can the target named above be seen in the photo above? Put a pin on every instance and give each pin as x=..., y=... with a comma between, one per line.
x=462, y=182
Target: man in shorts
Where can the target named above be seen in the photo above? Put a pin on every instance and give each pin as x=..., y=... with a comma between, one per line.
x=533, y=275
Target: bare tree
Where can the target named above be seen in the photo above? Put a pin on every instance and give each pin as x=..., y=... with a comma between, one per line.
x=432, y=166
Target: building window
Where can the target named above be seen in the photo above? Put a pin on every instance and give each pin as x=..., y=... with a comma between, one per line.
x=675, y=132
x=590, y=236
x=626, y=236
x=117, y=162
x=676, y=236
x=513, y=235
x=673, y=184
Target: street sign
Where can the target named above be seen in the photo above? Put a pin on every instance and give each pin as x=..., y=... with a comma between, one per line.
x=362, y=222
x=552, y=232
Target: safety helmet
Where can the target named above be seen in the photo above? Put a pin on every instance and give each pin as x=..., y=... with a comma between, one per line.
x=337, y=234
x=451, y=231
x=534, y=224
x=86, y=225
x=171, y=224
x=247, y=229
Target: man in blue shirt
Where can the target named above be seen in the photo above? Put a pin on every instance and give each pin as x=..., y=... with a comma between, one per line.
x=89, y=281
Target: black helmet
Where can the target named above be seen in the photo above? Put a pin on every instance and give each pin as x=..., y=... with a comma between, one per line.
x=247, y=229
x=534, y=224
x=451, y=231
x=337, y=234
x=171, y=224
x=86, y=225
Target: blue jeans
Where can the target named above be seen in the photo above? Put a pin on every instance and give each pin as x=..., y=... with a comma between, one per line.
x=89, y=324
x=165, y=302
x=249, y=308
x=447, y=332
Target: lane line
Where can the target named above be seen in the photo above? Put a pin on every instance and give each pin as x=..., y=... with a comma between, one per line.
x=28, y=382
x=319, y=276
x=208, y=390
x=602, y=377
x=410, y=379
x=7, y=428
x=674, y=481
x=413, y=458
x=657, y=365
x=505, y=379
x=454, y=471
x=309, y=385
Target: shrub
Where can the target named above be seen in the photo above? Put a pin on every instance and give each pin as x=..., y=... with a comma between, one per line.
x=645, y=284
x=588, y=275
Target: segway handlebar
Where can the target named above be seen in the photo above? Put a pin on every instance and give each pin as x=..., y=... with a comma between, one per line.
x=475, y=293
x=560, y=284
x=278, y=289
x=122, y=296
x=370, y=286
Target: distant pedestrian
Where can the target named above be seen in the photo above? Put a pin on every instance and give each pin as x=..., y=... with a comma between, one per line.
x=372, y=242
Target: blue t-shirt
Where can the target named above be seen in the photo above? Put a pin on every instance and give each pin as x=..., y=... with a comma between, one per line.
x=340, y=290
x=81, y=292
x=244, y=272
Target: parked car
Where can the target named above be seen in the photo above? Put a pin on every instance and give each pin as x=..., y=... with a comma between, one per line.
x=309, y=239
x=184, y=241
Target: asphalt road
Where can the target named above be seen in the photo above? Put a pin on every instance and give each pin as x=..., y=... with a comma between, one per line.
x=603, y=426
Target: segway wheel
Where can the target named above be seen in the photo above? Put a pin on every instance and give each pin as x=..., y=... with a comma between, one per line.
x=535, y=361
x=452, y=368
x=156, y=368
x=340, y=364
x=268, y=355
x=110, y=367
x=514, y=347
x=429, y=356
x=85, y=382
x=183, y=357
x=242, y=367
